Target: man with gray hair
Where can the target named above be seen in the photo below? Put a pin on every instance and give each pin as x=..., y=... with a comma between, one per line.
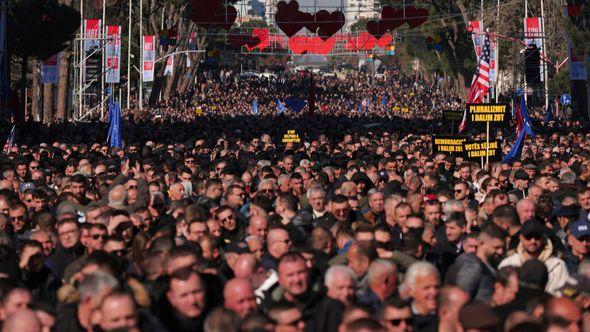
x=340, y=281
x=341, y=284
x=316, y=196
x=91, y=293
x=422, y=285
x=374, y=214
x=118, y=198
x=452, y=206
x=382, y=281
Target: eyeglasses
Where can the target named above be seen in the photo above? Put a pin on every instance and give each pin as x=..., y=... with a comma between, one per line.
x=33, y=167
x=458, y=190
x=533, y=236
x=188, y=161
x=98, y=236
x=397, y=322
x=28, y=200
x=226, y=219
x=17, y=218
x=131, y=187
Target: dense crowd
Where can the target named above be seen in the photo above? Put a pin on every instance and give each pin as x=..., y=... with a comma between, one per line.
x=212, y=223
x=231, y=93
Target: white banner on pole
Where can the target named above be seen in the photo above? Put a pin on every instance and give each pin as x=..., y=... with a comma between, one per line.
x=113, y=54
x=169, y=66
x=50, y=70
x=149, y=58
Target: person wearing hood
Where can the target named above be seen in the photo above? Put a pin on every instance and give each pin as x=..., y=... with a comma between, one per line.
x=534, y=244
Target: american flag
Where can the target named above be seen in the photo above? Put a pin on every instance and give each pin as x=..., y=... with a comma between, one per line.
x=10, y=140
x=481, y=80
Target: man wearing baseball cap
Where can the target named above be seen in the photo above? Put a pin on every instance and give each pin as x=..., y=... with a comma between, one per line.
x=534, y=244
x=578, y=244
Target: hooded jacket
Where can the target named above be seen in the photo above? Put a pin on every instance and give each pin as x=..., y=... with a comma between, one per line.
x=555, y=266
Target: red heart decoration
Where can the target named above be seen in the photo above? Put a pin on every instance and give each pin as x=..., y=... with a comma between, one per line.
x=318, y=45
x=298, y=44
x=288, y=18
x=202, y=11
x=328, y=23
x=263, y=37
x=384, y=41
x=352, y=43
x=225, y=17
x=376, y=28
x=416, y=16
x=393, y=18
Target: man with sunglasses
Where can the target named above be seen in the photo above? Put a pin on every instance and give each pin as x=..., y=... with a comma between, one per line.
x=396, y=316
x=534, y=244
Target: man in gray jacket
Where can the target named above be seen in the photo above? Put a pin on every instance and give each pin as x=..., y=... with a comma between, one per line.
x=475, y=273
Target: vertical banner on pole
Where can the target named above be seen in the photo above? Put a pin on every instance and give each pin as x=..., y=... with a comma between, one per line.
x=113, y=54
x=533, y=34
x=169, y=66
x=92, y=28
x=477, y=36
x=50, y=70
x=532, y=31
x=577, y=68
x=493, y=60
x=149, y=58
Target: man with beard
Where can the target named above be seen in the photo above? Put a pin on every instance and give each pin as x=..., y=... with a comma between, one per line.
x=535, y=245
x=78, y=189
x=475, y=273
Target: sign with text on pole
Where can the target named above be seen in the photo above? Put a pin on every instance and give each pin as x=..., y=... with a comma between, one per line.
x=169, y=69
x=91, y=68
x=452, y=115
x=479, y=115
x=476, y=150
x=149, y=58
x=448, y=145
x=533, y=35
x=113, y=54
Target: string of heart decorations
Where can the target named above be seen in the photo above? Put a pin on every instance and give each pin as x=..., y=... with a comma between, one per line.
x=324, y=24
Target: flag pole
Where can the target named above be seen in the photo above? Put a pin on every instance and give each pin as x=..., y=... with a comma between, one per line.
x=487, y=145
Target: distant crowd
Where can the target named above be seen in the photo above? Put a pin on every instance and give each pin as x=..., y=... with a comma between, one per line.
x=211, y=222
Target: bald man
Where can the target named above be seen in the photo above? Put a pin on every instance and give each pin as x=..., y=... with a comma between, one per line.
x=249, y=268
x=238, y=296
x=564, y=309
x=24, y=320
x=258, y=226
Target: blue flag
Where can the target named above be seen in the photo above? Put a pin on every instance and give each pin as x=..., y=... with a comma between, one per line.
x=549, y=116
x=280, y=107
x=255, y=107
x=115, y=138
x=384, y=100
x=295, y=104
x=526, y=129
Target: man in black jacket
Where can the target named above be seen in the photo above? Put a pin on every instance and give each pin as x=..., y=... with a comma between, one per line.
x=475, y=273
x=184, y=308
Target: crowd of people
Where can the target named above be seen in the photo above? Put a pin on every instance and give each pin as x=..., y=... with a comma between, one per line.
x=231, y=93
x=211, y=223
